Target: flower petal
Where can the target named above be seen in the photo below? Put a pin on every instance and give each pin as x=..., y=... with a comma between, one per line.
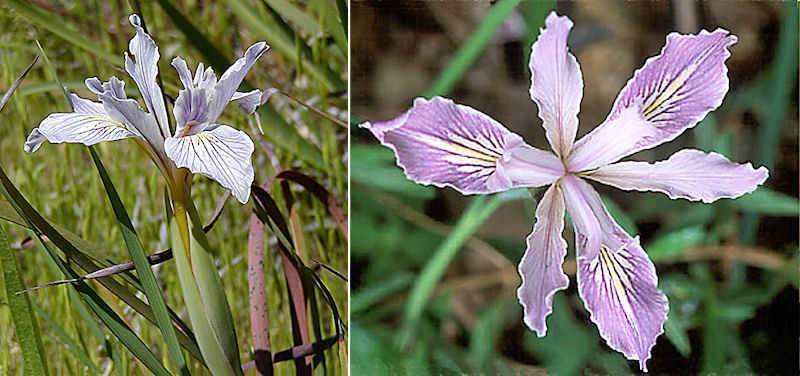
x=690, y=174
x=74, y=127
x=128, y=112
x=671, y=93
x=445, y=144
x=230, y=80
x=144, y=72
x=221, y=153
x=540, y=267
x=556, y=83
x=588, y=233
x=618, y=283
x=190, y=107
x=248, y=101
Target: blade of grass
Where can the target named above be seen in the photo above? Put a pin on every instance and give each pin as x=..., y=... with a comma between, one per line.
x=471, y=48
x=478, y=211
x=107, y=315
x=25, y=326
x=62, y=335
x=36, y=222
x=62, y=29
x=784, y=74
x=140, y=260
x=287, y=45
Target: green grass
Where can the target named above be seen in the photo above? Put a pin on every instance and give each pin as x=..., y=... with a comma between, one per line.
x=62, y=183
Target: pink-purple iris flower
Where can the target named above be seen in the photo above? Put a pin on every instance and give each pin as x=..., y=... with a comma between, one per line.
x=442, y=143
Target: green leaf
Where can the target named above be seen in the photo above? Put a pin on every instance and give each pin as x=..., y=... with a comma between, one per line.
x=765, y=201
x=151, y=287
x=61, y=333
x=62, y=28
x=374, y=292
x=675, y=243
x=471, y=48
x=25, y=325
x=213, y=355
x=287, y=45
x=487, y=330
x=375, y=167
x=478, y=212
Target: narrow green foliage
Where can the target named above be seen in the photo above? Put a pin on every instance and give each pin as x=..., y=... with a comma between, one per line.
x=471, y=48
x=765, y=201
x=478, y=211
x=149, y=283
x=25, y=325
x=209, y=345
x=286, y=45
x=61, y=28
x=62, y=335
x=674, y=243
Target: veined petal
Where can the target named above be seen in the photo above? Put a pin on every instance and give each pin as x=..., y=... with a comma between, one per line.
x=184, y=74
x=230, y=80
x=588, y=233
x=85, y=106
x=248, y=101
x=221, y=153
x=442, y=143
x=556, y=83
x=672, y=92
x=540, y=267
x=84, y=128
x=135, y=119
x=690, y=174
x=144, y=72
x=618, y=283
x=190, y=107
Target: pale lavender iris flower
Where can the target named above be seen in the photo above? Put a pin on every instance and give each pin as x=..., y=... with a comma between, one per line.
x=199, y=144
x=442, y=143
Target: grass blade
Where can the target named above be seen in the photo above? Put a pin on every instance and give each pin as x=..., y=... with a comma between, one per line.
x=471, y=48
x=25, y=326
x=286, y=45
x=140, y=260
x=66, y=340
x=62, y=29
x=477, y=212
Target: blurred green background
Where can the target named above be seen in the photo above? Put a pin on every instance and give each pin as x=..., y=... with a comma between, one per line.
x=308, y=59
x=729, y=268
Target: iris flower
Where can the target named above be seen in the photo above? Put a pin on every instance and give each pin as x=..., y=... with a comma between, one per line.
x=442, y=143
x=199, y=144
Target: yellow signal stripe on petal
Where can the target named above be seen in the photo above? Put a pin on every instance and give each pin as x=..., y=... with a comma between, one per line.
x=618, y=279
x=667, y=97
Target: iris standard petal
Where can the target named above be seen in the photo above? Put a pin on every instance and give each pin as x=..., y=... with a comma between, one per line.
x=442, y=143
x=184, y=74
x=221, y=153
x=144, y=72
x=191, y=107
x=690, y=174
x=671, y=92
x=618, y=283
x=84, y=128
x=540, y=267
x=556, y=83
x=230, y=80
